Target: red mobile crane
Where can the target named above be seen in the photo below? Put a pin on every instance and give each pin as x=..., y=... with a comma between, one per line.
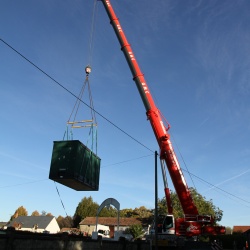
x=192, y=224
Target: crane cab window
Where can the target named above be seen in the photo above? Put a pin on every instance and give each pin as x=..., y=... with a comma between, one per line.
x=168, y=222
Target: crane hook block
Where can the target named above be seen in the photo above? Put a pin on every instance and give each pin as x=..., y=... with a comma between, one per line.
x=75, y=166
x=88, y=70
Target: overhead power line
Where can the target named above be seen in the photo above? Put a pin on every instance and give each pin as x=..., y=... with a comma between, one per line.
x=218, y=188
x=121, y=162
x=55, y=81
x=117, y=127
x=21, y=184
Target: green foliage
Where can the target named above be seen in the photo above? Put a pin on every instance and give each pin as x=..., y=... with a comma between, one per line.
x=85, y=208
x=136, y=231
x=65, y=222
x=127, y=212
x=141, y=212
x=88, y=208
x=204, y=206
x=108, y=212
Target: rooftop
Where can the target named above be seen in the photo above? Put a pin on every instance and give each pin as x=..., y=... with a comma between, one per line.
x=111, y=221
x=30, y=221
x=240, y=229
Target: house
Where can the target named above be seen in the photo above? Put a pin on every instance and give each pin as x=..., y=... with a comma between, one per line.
x=2, y=224
x=88, y=225
x=240, y=229
x=37, y=224
x=247, y=234
x=245, y=231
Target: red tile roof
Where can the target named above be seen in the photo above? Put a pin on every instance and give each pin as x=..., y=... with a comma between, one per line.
x=112, y=221
x=240, y=229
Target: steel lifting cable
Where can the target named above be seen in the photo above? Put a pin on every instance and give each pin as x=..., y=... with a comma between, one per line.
x=91, y=104
x=88, y=70
x=86, y=82
x=88, y=123
x=168, y=129
x=92, y=32
x=183, y=160
x=74, y=111
x=79, y=97
x=78, y=102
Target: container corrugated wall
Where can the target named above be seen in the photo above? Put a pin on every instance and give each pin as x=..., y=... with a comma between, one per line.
x=75, y=166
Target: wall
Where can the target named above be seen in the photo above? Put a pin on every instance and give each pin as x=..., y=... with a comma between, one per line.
x=13, y=240
x=87, y=229
x=18, y=240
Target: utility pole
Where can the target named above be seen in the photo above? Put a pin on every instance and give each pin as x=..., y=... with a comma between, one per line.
x=156, y=204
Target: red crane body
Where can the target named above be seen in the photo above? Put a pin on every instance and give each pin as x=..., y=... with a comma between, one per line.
x=154, y=116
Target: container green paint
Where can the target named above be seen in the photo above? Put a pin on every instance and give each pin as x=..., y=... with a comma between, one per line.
x=75, y=166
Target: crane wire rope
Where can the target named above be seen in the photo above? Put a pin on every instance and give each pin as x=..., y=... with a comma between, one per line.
x=78, y=124
x=183, y=160
x=79, y=98
x=163, y=169
x=86, y=83
x=77, y=103
x=176, y=145
x=92, y=33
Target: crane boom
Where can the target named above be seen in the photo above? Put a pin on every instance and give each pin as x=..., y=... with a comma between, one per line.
x=154, y=116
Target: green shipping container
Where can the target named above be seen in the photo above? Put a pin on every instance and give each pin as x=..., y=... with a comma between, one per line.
x=75, y=166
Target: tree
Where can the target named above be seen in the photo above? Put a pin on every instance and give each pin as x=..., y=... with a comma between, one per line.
x=65, y=222
x=126, y=212
x=43, y=213
x=204, y=206
x=142, y=212
x=136, y=231
x=35, y=213
x=85, y=208
x=229, y=230
x=21, y=211
x=108, y=212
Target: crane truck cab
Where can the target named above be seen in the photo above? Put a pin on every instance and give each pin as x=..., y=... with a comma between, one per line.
x=165, y=225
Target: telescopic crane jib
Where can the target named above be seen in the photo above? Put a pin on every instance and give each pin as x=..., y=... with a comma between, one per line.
x=193, y=223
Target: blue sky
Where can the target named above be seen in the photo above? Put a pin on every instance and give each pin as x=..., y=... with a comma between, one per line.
x=195, y=57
